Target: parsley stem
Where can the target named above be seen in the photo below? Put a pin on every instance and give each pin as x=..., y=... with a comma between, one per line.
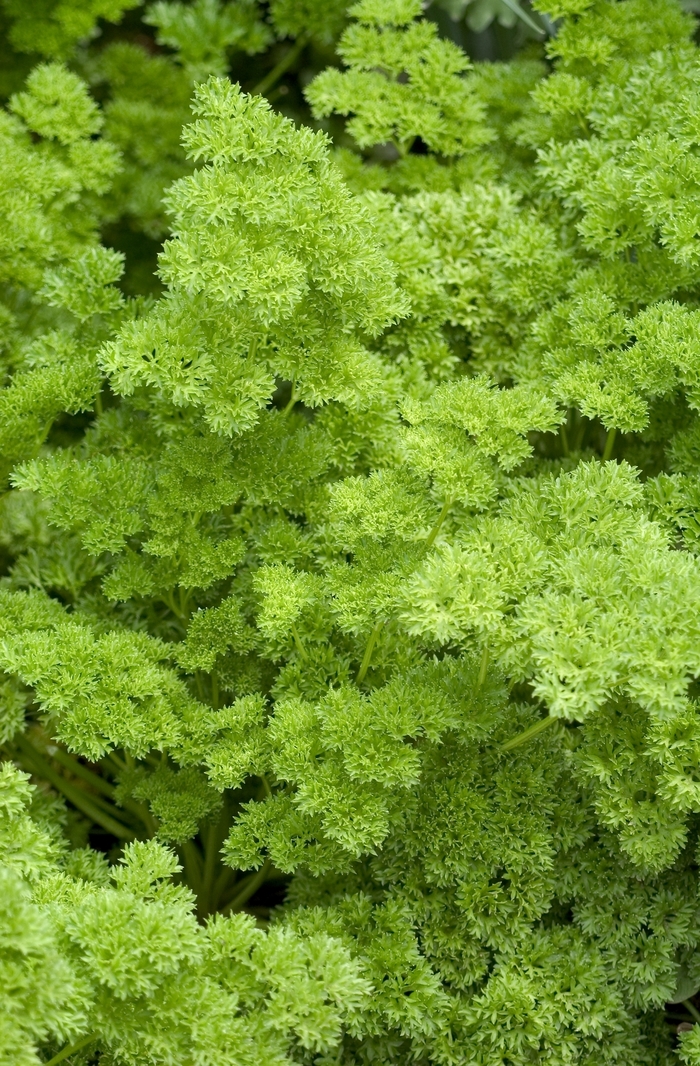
x=527, y=734
x=79, y=1044
x=517, y=10
x=78, y=770
x=193, y=865
x=204, y=901
x=581, y=423
x=282, y=67
x=139, y=809
x=300, y=647
x=220, y=886
x=609, y=444
x=483, y=667
x=292, y=400
x=75, y=795
x=430, y=539
x=692, y=1010
x=366, y=658
x=185, y=596
x=169, y=600
x=116, y=762
x=249, y=887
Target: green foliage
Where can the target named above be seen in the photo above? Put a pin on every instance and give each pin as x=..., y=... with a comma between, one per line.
x=276, y=268
x=53, y=27
x=350, y=570
x=202, y=33
x=308, y=18
x=117, y=955
x=402, y=83
x=54, y=167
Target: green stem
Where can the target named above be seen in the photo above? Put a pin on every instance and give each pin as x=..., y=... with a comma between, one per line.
x=528, y=734
x=78, y=770
x=248, y=888
x=692, y=1010
x=156, y=763
x=300, y=647
x=403, y=147
x=220, y=886
x=214, y=690
x=517, y=10
x=204, y=900
x=44, y=435
x=118, y=768
x=185, y=595
x=168, y=600
x=193, y=866
x=430, y=539
x=143, y=814
x=367, y=657
x=122, y=813
x=483, y=667
x=580, y=433
x=118, y=765
x=564, y=440
x=75, y=795
x=200, y=685
x=609, y=444
x=181, y=610
x=282, y=67
x=292, y=400
x=79, y=1044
